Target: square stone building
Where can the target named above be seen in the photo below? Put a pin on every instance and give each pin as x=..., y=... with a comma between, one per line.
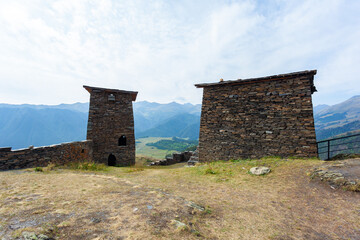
x=257, y=117
x=111, y=126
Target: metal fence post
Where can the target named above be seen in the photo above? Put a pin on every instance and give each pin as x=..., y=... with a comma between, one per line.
x=328, y=150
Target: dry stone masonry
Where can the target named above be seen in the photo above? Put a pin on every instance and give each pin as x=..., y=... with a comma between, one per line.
x=251, y=118
x=111, y=126
x=175, y=158
x=41, y=156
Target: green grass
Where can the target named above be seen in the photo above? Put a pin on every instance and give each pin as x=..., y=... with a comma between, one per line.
x=87, y=166
x=227, y=169
x=143, y=150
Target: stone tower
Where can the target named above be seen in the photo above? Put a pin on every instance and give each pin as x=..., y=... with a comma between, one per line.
x=258, y=117
x=111, y=126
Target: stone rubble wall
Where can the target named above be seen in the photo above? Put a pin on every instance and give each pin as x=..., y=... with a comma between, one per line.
x=273, y=118
x=41, y=156
x=176, y=158
x=194, y=158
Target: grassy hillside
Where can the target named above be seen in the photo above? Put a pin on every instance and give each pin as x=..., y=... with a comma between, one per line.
x=219, y=200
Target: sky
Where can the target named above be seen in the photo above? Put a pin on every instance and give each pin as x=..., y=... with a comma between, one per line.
x=49, y=49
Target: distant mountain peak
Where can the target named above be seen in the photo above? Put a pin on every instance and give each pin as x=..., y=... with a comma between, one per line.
x=355, y=97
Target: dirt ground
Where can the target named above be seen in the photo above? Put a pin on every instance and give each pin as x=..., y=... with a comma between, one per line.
x=340, y=174
x=211, y=201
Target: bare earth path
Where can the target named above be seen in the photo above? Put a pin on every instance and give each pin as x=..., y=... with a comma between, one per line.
x=136, y=203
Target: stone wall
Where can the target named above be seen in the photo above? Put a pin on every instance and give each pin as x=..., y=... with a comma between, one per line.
x=111, y=118
x=41, y=156
x=175, y=158
x=271, y=116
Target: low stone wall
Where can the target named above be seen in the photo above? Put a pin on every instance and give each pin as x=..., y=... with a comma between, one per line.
x=41, y=156
x=176, y=158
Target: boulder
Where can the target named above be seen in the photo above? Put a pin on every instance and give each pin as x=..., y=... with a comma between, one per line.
x=33, y=236
x=193, y=161
x=259, y=170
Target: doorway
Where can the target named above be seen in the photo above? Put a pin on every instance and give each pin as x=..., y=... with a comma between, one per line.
x=111, y=160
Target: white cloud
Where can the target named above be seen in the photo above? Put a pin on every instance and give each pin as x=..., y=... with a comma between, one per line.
x=48, y=50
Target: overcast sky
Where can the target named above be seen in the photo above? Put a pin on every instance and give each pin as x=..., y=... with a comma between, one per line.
x=49, y=49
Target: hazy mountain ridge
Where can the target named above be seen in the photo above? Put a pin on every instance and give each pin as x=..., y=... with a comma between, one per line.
x=148, y=115
x=22, y=127
x=337, y=119
x=78, y=107
x=182, y=125
x=39, y=125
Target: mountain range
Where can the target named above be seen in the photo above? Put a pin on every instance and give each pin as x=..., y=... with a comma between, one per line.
x=337, y=119
x=41, y=125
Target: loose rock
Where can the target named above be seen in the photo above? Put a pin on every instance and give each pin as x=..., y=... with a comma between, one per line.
x=34, y=236
x=260, y=170
x=179, y=225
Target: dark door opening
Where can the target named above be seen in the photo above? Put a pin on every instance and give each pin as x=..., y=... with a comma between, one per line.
x=122, y=141
x=111, y=160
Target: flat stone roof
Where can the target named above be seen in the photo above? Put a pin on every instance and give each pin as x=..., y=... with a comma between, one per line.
x=109, y=90
x=262, y=79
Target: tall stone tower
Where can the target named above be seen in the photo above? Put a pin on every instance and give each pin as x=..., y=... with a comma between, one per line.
x=111, y=126
x=258, y=117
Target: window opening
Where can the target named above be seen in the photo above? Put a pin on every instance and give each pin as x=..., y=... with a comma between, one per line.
x=122, y=141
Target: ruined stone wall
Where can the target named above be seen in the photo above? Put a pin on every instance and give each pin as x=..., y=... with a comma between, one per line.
x=269, y=118
x=41, y=156
x=108, y=121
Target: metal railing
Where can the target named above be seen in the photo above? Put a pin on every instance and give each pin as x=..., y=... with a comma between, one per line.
x=341, y=145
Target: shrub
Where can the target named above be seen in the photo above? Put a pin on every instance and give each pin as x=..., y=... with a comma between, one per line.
x=87, y=166
x=50, y=167
x=209, y=170
x=39, y=169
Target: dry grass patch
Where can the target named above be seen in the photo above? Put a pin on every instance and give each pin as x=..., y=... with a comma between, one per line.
x=81, y=205
x=284, y=204
x=218, y=200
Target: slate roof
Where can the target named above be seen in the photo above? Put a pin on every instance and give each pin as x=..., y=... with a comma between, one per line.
x=109, y=90
x=263, y=79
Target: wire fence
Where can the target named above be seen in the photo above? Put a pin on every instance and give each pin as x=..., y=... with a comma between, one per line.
x=342, y=145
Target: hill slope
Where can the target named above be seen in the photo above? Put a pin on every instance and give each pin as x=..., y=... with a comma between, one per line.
x=182, y=125
x=337, y=119
x=22, y=127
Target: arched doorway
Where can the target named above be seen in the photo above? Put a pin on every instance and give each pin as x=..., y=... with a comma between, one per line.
x=111, y=160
